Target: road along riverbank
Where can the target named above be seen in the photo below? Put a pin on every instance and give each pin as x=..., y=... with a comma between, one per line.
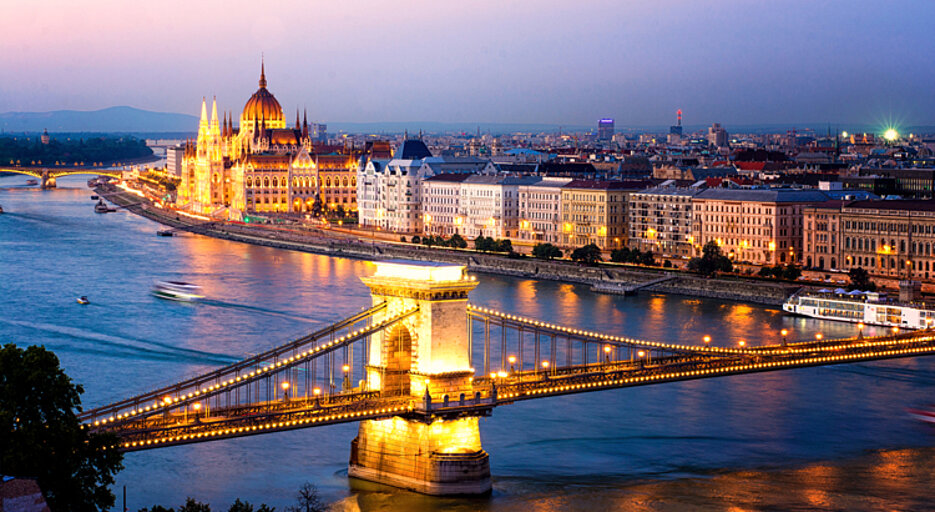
x=604, y=278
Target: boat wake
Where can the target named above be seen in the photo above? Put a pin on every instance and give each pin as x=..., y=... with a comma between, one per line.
x=131, y=346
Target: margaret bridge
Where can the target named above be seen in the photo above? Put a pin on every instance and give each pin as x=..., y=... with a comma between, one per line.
x=403, y=368
x=48, y=175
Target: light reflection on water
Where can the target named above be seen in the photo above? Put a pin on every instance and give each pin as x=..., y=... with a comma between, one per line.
x=814, y=438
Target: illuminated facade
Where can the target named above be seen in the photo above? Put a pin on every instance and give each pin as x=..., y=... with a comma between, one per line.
x=595, y=212
x=763, y=227
x=426, y=356
x=540, y=211
x=660, y=220
x=893, y=239
x=262, y=165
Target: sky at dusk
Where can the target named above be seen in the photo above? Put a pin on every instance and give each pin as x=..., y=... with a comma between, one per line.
x=568, y=62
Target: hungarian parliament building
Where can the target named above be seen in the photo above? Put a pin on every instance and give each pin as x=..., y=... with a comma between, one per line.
x=263, y=165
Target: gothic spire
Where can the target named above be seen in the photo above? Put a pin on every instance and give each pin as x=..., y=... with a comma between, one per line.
x=204, y=113
x=297, y=125
x=305, y=124
x=214, y=113
x=262, y=71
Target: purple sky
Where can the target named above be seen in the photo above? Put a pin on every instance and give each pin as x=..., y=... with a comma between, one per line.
x=569, y=62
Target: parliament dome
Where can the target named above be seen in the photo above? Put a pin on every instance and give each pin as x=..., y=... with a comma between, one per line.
x=262, y=106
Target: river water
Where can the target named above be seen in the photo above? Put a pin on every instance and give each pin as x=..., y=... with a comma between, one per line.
x=819, y=438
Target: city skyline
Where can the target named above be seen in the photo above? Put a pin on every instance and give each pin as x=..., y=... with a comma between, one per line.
x=484, y=63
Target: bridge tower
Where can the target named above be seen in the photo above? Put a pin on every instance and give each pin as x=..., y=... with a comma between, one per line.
x=427, y=357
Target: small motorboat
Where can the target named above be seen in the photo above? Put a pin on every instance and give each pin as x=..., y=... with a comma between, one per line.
x=101, y=207
x=32, y=183
x=165, y=232
x=83, y=300
x=177, y=290
x=926, y=415
x=95, y=198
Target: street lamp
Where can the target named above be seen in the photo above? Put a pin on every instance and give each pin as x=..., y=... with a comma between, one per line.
x=819, y=336
x=285, y=390
x=860, y=330
x=742, y=343
x=196, y=406
x=607, y=350
x=784, y=332
x=895, y=330
x=347, y=376
x=707, y=341
x=511, y=359
x=545, y=368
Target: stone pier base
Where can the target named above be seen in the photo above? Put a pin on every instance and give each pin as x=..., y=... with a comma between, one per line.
x=442, y=458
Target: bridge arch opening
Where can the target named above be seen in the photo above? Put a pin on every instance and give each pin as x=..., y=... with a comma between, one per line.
x=397, y=350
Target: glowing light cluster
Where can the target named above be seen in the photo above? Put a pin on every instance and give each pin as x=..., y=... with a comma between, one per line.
x=330, y=418
x=169, y=401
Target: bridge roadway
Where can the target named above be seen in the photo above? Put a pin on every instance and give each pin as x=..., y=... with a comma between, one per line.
x=166, y=424
x=48, y=175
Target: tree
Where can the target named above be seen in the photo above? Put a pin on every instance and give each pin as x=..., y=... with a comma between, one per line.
x=457, y=241
x=860, y=280
x=157, y=508
x=245, y=506
x=621, y=255
x=791, y=272
x=546, y=251
x=588, y=254
x=416, y=239
x=504, y=245
x=484, y=243
x=191, y=505
x=647, y=258
x=307, y=500
x=41, y=437
x=711, y=261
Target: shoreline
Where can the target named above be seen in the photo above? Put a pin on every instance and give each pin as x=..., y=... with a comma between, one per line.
x=604, y=279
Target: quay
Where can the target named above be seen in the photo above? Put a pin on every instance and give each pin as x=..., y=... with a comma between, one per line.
x=606, y=279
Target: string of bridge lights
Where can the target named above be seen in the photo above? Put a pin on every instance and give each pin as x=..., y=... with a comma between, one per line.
x=168, y=401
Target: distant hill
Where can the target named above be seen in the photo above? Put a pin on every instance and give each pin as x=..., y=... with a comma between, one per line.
x=113, y=119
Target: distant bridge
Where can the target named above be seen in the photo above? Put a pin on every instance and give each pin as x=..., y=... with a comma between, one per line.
x=404, y=369
x=48, y=175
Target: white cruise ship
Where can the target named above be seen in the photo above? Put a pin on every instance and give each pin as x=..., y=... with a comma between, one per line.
x=869, y=308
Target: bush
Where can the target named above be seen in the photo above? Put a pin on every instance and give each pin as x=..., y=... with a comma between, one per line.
x=860, y=280
x=546, y=251
x=711, y=261
x=457, y=241
x=416, y=239
x=667, y=264
x=588, y=254
x=402, y=239
x=635, y=256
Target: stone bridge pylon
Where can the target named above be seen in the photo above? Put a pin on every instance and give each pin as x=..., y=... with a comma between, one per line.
x=427, y=355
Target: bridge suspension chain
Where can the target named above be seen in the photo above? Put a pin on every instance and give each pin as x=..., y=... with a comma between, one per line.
x=250, y=379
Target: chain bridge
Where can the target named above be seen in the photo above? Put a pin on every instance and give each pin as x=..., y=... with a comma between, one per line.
x=48, y=175
x=420, y=366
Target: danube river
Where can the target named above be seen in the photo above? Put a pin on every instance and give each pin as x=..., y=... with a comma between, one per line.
x=820, y=438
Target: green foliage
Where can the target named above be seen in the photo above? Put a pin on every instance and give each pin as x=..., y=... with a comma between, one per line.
x=68, y=151
x=245, y=506
x=488, y=244
x=546, y=251
x=457, y=241
x=790, y=272
x=194, y=506
x=402, y=239
x=860, y=280
x=711, y=261
x=589, y=254
x=627, y=255
x=667, y=264
x=41, y=437
x=416, y=239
